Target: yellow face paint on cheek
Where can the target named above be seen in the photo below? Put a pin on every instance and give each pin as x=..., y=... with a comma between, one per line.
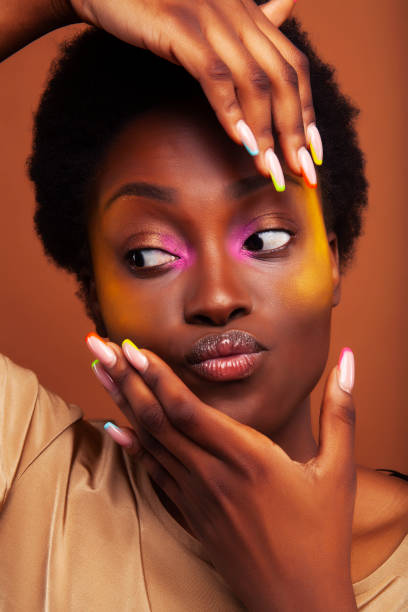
x=311, y=284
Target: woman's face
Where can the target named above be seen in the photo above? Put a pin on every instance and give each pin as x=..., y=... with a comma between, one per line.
x=183, y=235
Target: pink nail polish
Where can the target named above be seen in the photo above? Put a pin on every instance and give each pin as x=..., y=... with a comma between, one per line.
x=275, y=169
x=101, y=350
x=120, y=436
x=307, y=167
x=104, y=377
x=247, y=137
x=136, y=358
x=346, y=369
x=315, y=143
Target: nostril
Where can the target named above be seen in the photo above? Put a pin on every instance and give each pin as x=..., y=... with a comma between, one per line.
x=238, y=312
x=222, y=319
x=203, y=320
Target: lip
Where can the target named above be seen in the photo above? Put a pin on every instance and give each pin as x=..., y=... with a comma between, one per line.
x=232, y=355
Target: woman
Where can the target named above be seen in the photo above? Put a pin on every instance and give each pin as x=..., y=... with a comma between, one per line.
x=145, y=197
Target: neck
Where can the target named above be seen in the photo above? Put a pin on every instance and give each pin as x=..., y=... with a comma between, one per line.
x=295, y=437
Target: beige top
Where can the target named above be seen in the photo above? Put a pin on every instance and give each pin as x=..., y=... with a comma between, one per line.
x=81, y=530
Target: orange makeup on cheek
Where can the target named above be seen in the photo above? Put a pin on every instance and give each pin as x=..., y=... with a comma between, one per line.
x=312, y=283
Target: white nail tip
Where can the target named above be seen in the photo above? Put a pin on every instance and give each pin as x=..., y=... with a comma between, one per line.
x=274, y=167
x=307, y=165
x=247, y=137
x=315, y=141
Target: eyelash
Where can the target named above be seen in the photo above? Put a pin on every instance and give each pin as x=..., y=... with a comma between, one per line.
x=145, y=270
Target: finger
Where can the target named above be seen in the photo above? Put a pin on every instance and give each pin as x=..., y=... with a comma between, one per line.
x=267, y=86
x=337, y=419
x=212, y=430
x=196, y=55
x=125, y=437
x=277, y=11
x=167, y=460
x=163, y=479
x=231, y=79
x=143, y=408
x=300, y=62
x=108, y=383
x=109, y=358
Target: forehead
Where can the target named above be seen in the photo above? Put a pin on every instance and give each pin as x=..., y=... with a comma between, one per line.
x=187, y=153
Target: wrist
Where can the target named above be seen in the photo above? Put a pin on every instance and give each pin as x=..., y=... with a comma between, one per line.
x=63, y=13
x=24, y=21
x=319, y=596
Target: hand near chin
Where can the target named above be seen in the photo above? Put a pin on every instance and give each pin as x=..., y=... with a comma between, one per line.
x=277, y=530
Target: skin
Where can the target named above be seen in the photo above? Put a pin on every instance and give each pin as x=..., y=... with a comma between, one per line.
x=285, y=302
x=217, y=287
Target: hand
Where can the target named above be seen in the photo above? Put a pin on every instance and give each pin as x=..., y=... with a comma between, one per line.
x=278, y=531
x=249, y=71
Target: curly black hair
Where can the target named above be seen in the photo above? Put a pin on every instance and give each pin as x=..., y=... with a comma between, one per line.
x=99, y=83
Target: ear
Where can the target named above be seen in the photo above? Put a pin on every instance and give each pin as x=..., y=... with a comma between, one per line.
x=277, y=11
x=94, y=311
x=334, y=257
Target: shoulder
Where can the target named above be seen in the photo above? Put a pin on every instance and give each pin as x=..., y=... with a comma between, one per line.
x=380, y=522
x=381, y=501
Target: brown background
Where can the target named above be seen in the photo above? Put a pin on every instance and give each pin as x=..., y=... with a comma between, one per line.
x=43, y=324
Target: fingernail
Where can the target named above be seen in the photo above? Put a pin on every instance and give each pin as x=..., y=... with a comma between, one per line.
x=103, y=376
x=120, y=436
x=247, y=137
x=346, y=369
x=136, y=358
x=275, y=169
x=307, y=166
x=101, y=350
x=315, y=143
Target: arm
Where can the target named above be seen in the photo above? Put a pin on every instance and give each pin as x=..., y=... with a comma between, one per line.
x=23, y=21
x=237, y=72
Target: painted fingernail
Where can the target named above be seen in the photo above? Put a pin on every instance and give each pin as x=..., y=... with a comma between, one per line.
x=136, y=358
x=315, y=143
x=307, y=167
x=346, y=370
x=120, y=436
x=103, y=376
x=101, y=350
x=247, y=137
x=275, y=169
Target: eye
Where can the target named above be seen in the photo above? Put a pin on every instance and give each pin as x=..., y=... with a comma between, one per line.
x=268, y=240
x=149, y=258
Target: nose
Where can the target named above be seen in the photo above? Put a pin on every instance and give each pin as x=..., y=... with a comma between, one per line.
x=216, y=293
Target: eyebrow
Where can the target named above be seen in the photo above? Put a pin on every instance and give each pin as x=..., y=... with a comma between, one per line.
x=152, y=191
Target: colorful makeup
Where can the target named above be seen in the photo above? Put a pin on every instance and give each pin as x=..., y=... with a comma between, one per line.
x=263, y=223
x=315, y=143
x=307, y=167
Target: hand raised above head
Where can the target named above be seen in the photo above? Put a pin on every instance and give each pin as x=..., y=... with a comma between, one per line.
x=278, y=531
x=251, y=73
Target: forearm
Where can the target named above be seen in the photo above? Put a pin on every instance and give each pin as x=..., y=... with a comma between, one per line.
x=22, y=21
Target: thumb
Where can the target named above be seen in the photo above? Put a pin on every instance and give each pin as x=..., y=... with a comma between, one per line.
x=277, y=11
x=337, y=417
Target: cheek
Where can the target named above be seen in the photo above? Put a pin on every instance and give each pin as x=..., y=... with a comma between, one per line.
x=133, y=308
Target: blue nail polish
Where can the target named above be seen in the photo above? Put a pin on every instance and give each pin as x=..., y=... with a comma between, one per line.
x=109, y=424
x=251, y=151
